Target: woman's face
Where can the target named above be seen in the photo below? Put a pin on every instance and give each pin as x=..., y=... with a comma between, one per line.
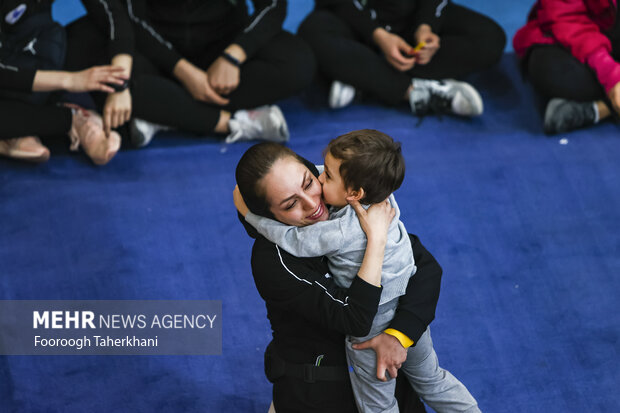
x=294, y=194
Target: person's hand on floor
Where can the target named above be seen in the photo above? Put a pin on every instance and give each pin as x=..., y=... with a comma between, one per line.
x=116, y=111
x=390, y=354
x=431, y=43
x=196, y=81
x=395, y=49
x=224, y=76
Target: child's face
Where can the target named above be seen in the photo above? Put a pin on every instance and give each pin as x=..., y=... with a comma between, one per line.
x=334, y=192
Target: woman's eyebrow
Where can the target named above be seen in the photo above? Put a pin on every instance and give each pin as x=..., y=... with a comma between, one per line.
x=303, y=182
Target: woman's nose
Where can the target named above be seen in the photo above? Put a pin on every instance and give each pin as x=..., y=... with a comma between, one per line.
x=311, y=203
x=322, y=178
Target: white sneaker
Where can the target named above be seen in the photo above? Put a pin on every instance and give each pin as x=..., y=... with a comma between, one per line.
x=265, y=122
x=141, y=132
x=445, y=96
x=340, y=95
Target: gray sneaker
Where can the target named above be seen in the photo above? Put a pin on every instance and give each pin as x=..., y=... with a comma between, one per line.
x=564, y=115
x=265, y=122
x=444, y=96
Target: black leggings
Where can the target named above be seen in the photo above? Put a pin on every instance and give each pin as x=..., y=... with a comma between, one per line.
x=279, y=69
x=469, y=42
x=20, y=119
x=556, y=73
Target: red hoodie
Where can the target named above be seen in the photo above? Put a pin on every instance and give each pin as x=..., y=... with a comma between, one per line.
x=579, y=26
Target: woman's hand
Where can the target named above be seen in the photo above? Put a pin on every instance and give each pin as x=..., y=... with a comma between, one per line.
x=117, y=110
x=196, y=81
x=390, y=354
x=614, y=96
x=239, y=202
x=376, y=220
x=224, y=76
x=395, y=48
x=425, y=34
x=94, y=78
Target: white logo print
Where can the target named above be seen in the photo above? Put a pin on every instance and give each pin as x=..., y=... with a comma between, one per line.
x=30, y=47
x=14, y=15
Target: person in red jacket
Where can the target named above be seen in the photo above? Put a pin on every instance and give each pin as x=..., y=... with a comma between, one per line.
x=570, y=50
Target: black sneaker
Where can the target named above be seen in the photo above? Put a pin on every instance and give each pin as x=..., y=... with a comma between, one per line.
x=564, y=115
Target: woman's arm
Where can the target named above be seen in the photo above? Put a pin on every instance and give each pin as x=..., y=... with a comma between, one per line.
x=303, y=286
x=94, y=78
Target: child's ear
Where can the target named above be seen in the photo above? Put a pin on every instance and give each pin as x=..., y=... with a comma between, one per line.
x=354, y=195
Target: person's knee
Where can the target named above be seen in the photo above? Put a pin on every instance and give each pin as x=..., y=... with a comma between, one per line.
x=300, y=65
x=554, y=72
x=316, y=23
x=495, y=43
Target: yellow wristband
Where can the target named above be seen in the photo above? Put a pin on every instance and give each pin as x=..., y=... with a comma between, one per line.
x=405, y=341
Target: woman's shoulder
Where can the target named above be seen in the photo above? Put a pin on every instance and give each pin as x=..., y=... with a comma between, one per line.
x=270, y=262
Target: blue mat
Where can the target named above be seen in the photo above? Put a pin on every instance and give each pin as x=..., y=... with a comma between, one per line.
x=526, y=228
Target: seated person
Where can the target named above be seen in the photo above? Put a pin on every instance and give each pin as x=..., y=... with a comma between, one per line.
x=202, y=67
x=32, y=51
x=569, y=50
x=403, y=50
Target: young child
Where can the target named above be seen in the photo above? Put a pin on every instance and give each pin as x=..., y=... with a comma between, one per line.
x=367, y=166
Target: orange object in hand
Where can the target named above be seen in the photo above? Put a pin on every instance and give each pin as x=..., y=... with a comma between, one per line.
x=417, y=48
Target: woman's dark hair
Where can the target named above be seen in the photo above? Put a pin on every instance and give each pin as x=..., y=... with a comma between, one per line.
x=371, y=160
x=255, y=163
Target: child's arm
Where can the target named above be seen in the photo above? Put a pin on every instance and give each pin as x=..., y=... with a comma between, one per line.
x=322, y=238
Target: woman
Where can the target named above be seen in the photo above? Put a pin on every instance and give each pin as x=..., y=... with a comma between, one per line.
x=403, y=50
x=203, y=67
x=32, y=52
x=309, y=314
x=570, y=51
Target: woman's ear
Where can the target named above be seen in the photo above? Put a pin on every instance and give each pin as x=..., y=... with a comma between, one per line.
x=353, y=195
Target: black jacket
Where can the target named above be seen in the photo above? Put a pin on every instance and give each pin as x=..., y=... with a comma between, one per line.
x=12, y=13
x=166, y=30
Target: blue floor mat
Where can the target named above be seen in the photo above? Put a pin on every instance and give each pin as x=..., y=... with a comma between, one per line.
x=525, y=226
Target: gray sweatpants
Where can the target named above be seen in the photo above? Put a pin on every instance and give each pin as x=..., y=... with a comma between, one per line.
x=436, y=386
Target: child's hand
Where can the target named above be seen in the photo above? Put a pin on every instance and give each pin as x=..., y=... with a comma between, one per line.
x=239, y=202
x=376, y=220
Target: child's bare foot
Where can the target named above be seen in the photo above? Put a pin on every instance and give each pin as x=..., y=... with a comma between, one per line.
x=87, y=131
x=27, y=148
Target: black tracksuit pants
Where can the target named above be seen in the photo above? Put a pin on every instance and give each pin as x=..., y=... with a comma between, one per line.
x=21, y=119
x=469, y=42
x=556, y=73
x=279, y=69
